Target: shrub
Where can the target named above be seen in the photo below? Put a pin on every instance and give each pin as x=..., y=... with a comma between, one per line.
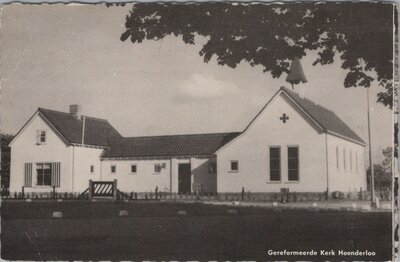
x=337, y=195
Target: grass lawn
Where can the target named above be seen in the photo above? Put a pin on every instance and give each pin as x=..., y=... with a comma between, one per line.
x=153, y=231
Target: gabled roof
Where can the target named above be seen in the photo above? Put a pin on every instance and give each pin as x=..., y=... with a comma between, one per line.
x=97, y=131
x=167, y=146
x=326, y=119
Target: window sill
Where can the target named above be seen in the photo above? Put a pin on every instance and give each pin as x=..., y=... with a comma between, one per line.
x=159, y=173
x=292, y=182
x=274, y=182
x=233, y=171
x=133, y=174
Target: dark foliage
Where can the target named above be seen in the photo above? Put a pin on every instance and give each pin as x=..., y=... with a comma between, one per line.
x=5, y=139
x=269, y=35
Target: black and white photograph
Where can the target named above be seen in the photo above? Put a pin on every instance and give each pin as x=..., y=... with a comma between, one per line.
x=199, y=131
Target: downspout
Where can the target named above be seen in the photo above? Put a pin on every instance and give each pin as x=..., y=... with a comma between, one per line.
x=73, y=167
x=83, y=130
x=327, y=167
x=101, y=166
x=170, y=176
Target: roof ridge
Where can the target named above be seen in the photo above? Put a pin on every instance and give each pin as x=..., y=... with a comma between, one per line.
x=69, y=114
x=54, y=111
x=133, y=137
x=291, y=92
x=95, y=118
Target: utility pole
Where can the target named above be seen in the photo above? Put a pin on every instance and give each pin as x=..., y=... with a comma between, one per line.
x=371, y=167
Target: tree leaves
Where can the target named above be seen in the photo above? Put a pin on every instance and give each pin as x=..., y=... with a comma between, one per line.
x=269, y=35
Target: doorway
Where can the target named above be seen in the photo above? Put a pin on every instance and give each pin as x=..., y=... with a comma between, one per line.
x=184, y=178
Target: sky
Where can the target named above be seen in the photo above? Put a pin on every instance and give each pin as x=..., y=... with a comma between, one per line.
x=52, y=56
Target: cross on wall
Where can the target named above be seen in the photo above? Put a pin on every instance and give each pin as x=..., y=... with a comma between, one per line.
x=284, y=118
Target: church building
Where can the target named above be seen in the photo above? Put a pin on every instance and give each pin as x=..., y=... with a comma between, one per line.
x=292, y=143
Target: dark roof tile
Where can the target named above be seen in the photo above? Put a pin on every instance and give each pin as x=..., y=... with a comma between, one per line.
x=326, y=118
x=97, y=131
x=166, y=146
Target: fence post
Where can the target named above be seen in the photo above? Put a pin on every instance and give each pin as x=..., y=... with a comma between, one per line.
x=156, y=191
x=54, y=192
x=90, y=189
x=23, y=192
x=242, y=193
x=115, y=190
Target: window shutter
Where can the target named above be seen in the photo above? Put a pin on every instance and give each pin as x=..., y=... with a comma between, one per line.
x=28, y=175
x=55, y=174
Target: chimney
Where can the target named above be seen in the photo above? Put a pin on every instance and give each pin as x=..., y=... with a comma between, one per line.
x=75, y=111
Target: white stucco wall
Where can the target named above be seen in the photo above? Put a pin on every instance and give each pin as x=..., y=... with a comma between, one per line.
x=84, y=157
x=346, y=173
x=146, y=180
x=25, y=150
x=251, y=149
x=202, y=176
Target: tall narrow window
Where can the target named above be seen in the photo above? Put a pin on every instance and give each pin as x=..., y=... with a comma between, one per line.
x=344, y=158
x=351, y=161
x=356, y=162
x=133, y=169
x=274, y=163
x=293, y=163
x=113, y=169
x=337, y=158
x=91, y=169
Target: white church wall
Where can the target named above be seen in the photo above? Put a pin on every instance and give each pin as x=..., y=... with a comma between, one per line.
x=346, y=165
x=251, y=150
x=24, y=149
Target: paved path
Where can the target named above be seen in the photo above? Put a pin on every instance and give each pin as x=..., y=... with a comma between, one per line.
x=338, y=205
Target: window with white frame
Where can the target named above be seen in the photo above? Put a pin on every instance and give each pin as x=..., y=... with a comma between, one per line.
x=351, y=160
x=40, y=137
x=293, y=163
x=43, y=174
x=356, y=162
x=234, y=166
x=344, y=159
x=133, y=169
x=157, y=168
x=275, y=164
x=337, y=158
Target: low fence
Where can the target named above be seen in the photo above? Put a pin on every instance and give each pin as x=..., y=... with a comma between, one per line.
x=241, y=196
